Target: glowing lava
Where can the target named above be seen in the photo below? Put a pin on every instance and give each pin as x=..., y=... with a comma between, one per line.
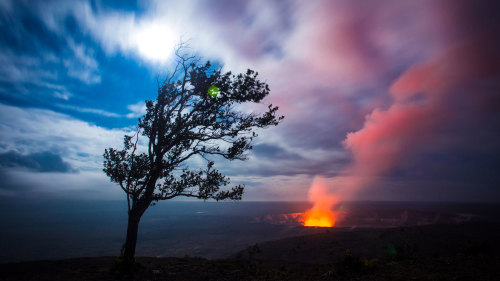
x=321, y=213
x=319, y=218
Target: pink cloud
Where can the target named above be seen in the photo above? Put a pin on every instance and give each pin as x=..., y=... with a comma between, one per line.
x=424, y=103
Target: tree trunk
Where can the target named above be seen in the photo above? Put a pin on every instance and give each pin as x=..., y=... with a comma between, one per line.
x=131, y=240
x=134, y=217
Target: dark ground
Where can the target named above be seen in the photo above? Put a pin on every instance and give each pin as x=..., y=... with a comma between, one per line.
x=60, y=229
x=463, y=251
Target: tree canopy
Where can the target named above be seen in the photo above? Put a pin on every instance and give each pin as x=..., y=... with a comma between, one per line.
x=185, y=121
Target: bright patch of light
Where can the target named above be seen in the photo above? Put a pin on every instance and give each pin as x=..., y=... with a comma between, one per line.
x=155, y=41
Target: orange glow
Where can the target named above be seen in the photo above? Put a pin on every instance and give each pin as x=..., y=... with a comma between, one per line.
x=319, y=218
x=321, y=213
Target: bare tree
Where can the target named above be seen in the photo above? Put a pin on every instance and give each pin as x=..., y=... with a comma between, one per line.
x=185, y=122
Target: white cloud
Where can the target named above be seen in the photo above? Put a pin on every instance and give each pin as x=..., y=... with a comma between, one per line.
x=137, y=110
x=79, y=143
x=82, y=65
x=46, y=71
x=152, y=35
x=90, y=110
x=60, y=91
x=62, y=95
x=152, y=39
x=23, y=69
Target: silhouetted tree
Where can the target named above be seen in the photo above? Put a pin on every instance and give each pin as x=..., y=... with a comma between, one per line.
x=185, y=121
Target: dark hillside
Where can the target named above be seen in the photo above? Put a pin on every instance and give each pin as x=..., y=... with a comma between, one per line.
x=468, y=251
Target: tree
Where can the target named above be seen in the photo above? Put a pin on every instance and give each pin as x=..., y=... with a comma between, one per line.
x=185, y=122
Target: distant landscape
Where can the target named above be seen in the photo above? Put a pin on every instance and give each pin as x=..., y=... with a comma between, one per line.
x=36, y=230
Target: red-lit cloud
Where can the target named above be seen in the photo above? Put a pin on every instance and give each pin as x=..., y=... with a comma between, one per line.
x=392, y=81
x=428, y=98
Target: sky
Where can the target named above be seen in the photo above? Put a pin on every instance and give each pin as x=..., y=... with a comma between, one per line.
x=385, y=100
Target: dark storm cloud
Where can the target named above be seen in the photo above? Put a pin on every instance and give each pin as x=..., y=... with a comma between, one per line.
x=280, y=168
x=467, y=167
x=41, y=161
x=272, y=160
x=275, y=152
